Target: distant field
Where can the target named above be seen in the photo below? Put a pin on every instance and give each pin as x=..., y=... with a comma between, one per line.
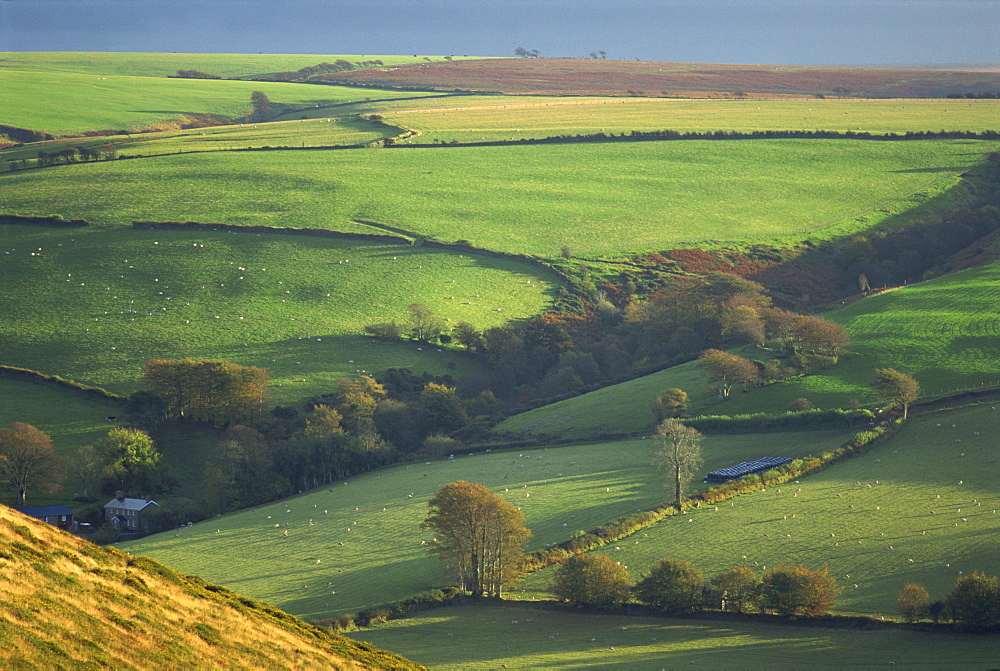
x=98, y=101
x=164, y=65
x=484, y=637
x=876, y=507
x=621, y=408
x=532, y=199
x=561, y=491
x=68, y=417
x=94, y=304
x=483, y=118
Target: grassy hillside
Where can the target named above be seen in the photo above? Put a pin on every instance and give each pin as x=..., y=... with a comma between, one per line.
x=483, y=637
x=659, y=194
x=94, y=304
x=942, y=332
x=919, y=508
x=358, y=544
x=65, y=603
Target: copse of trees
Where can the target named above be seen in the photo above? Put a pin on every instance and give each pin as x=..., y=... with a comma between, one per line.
x=479, y=535
x=213, y=391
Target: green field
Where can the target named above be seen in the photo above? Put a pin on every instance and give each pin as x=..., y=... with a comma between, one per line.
x=484, y=637
x=541, y=197
x=943, y=332
x=70, y=418
x=94, y=304
x=876, y=507
x=482, y=118
x=98, y=91
x=560, y=490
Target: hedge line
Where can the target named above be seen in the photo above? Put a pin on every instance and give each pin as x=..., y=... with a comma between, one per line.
x=26, y=374
x=51, y=220
x=314, y=232
x=812, y=419
x=862, y=442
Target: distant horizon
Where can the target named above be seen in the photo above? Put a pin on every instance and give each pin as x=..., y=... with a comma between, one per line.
x=743, y=32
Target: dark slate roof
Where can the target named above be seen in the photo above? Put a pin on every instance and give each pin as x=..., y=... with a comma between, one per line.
x=46, y=511
x=130, y=504
x=748, y=467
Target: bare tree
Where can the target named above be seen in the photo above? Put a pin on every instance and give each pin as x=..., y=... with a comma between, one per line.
x=679, y=455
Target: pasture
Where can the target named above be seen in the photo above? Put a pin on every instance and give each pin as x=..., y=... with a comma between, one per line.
x=94, y=304
x=482, y=118
x=658, y=195
x=484, y=637
x=921, y=508
x=357, y=543
x=942, y=332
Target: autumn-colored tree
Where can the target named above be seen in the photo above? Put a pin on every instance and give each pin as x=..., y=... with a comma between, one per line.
x=912, y=602
x=739, y=587
x=132, y=460
x=727, y=369
x=896, y=387
x=479, y=535
x=28, y=460
x=325, y=421
x=591, y=580
x=357, y=399
x=671, y=403
x=740, y=316
x=679, y=454
x=798, y=591
x=975, y=601
x=673, y=586
x=218, y=391
x=815, y=335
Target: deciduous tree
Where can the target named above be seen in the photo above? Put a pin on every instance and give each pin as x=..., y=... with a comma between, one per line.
x=88, y=464
x=480, y=535
x=673, y=586
x=132, y=460
x=727, y=369
x=591, y=580
x=912, y=602
x=28, y=460
x=739, y=586
x=798, y=591
x=671, y=403
x=896, y=387
x=679, y=455
x=975, y=601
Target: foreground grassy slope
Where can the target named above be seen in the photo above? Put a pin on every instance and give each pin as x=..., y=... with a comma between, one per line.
x=94, y=304
x=358, y=544
x=65, y=603
x=660, y=194
x=484, y=637
x=919, y=508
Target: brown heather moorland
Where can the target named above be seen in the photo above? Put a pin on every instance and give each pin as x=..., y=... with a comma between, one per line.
x=592, y=77
x=65, y=603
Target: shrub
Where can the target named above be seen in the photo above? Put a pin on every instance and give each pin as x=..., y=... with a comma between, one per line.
x=975, y=602
x=798, y=591
x=800, y=405
x=739, y=586
x=591, y=580
x=912, y=602
x=673, y=586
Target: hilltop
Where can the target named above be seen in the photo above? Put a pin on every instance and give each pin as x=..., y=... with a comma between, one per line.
x=66, y=602
x=566, y=76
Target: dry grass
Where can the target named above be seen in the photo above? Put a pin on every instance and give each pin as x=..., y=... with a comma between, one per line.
x=65, y=602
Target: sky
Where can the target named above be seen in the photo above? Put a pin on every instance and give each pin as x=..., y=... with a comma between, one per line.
x=794, y=32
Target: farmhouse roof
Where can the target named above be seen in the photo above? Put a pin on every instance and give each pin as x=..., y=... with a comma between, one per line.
x=42, y=512
x=130, y=504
